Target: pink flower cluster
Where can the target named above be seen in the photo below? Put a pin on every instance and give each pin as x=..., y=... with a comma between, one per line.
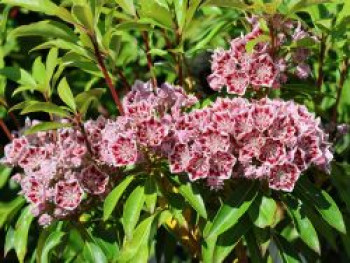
x=264, y=66
x=265, y=139
x=146, y=126
x=59, y=173
x=65, y=170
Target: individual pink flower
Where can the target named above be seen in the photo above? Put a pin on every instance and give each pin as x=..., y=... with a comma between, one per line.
x=93, y=180
x=68, y=194
x=283, y=177
x=221, y=164
x=179, y=158
x=198, y=166
x=45, y=220
x=152, y=132
x=243, y=124
x=123, y=151
x=263, y=116
x=237, y=83
x=273, y=152
x=263, y=71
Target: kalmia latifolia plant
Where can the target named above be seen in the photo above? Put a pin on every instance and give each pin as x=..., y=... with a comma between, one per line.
x=174, y=131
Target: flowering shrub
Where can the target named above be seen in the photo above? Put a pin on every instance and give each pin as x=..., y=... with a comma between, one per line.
x=241, y=154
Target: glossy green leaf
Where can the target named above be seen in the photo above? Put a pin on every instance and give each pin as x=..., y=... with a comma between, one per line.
x=286, y=252
x=9, y=209
x=46, y=126
x=239, y=4
x=46, y=29
x=300, y=5
x=9, y=240
x=5, y=173
x=18, y=75
x=47, y=107
x=21, y=233
x=84, y=16
x=94, y=254
x=234, y=208
x=127, y=6
x=253, y=247
x=52, y=241
x=263, y=211
x=114, y=196
x=51, y=63
x=140, y=237
x=208, y=246
x=162, y=15
x=39, y=71
x=228, y=240
x=322, y=202
x=66, y=94
x=151, y=194
x=132, y=210
x=193, y=197
x=304, y=227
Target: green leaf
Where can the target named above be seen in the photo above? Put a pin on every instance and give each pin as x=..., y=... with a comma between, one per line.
x=5, y=173
x=39, y=71
x=180, y=10
x=234, y=208
x=140, y=237
x=263, y=211
x=66, y=94
x=286, y=252
x=323, y=203
x=18, y=75
x=132, y=210
x=127, y=6
x=227, y=3
x=52, y=241
x=253, y=247
x=47, y=107
x=46, y=29
x=208, y=246
x=83, y=15
x=300, y=5
x=303, y=225
x=9, y=240
x=21, y=233
x=151, y=194
x=94, y=254
x=51, y=63
x=46, y=126
x=114, y=196
x=161, y=16
x=191, y=194
x=228, y=240
x=10, y=209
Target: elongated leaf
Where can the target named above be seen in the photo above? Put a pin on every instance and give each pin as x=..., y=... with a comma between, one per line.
x=192, y=196
x=83, y=15
x=303, y=4
x=263, y=211
x=93, y=253
x=140, y=237
x=233, y=209
x=51, y=242
x=9, y=210
x=151, y=194
x=239, y=4
x=162, y=16
x=66, y=94
x=47, y=29
x=286, y=252
x=323, y=203
x=18, y=75
x=228, y=240
x=51, y=63
x=47, y=107
x=46, y=126
x=5, y=173
x=114, y=196
x=208, y=247
x=127, y=5
x=21, y=233
x=253, y=247
x=132, y=210
x=9, y=240
x=39, y=71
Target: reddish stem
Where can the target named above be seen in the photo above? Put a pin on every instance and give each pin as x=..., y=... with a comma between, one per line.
x=149, y=59
x=105, y=73
x=6, y=130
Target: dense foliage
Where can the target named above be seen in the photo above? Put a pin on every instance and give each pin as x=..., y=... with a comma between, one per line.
x=174, y=130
